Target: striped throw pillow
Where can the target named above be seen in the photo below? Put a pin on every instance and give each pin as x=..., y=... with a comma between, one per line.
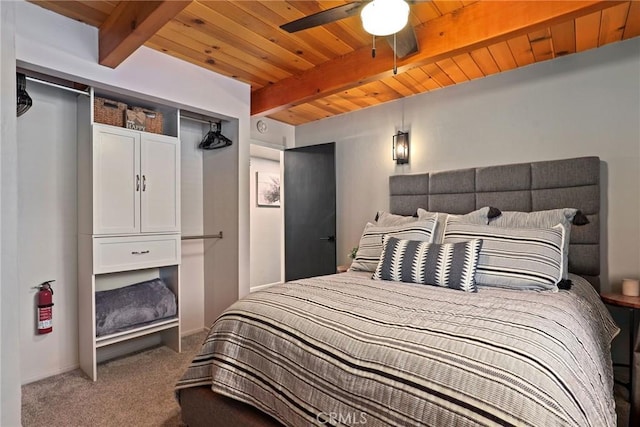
x=542, y=219
x=515, y=258
x=451, y=265
x=370, y=246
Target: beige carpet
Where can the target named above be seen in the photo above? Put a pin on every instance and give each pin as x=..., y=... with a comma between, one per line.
x=136, y=390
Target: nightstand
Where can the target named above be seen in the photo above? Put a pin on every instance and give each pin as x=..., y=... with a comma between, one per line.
x=632, y=304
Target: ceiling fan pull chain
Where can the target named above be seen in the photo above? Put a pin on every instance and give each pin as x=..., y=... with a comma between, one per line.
x=373, y=48
x=395, y=56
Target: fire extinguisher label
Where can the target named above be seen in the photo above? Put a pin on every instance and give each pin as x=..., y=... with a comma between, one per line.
x=44, y=318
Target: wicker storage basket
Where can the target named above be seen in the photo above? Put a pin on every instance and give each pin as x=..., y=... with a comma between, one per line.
x=109, y=112
x=153, y=119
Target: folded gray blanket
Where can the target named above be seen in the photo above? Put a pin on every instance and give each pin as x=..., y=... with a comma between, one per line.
x=133, y=305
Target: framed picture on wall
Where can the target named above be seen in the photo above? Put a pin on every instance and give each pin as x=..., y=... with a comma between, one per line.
x=268, y=189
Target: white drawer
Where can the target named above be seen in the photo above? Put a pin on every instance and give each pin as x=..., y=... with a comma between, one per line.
x=113, y=254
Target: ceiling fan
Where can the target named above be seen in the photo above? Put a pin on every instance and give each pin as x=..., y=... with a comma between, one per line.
x=386, y=18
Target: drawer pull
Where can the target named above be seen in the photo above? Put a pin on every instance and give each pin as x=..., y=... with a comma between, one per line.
x=139, y=252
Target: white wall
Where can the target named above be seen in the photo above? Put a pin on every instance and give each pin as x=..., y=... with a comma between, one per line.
x=47, y=226
x=10, y=397
x=267, y=145
x=65, y=48
x=192, y=267
x=579, y=105
x=220, y=194
x=266, y=229
x=277, y=135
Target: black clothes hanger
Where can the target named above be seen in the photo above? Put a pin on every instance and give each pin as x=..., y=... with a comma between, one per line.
x=214, y=139
x=24, y=101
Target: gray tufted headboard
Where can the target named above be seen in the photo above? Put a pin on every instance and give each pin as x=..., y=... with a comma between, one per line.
x=526, y=187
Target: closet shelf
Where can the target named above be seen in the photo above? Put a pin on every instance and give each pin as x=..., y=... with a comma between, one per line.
x=158, y=326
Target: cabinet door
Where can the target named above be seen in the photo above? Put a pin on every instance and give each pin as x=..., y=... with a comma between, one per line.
x=116, y=180
x=160, y=196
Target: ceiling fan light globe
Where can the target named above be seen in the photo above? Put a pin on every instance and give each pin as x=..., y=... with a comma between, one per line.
x=384, y=17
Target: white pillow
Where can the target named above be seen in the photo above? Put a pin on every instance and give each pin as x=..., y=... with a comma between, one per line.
x=370, y=246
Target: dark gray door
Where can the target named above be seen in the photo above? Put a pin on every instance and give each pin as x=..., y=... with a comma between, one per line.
x=310, y=211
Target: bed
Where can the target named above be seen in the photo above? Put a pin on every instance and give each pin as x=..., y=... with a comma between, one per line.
x=346, y=350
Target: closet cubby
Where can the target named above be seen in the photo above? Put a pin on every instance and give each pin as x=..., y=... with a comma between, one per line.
x=169, y=114
x=169, y=275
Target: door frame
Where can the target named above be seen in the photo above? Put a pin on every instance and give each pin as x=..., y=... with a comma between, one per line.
x=280, y=149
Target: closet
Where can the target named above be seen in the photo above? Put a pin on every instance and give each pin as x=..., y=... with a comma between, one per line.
x=103, y=207
x=129, y=242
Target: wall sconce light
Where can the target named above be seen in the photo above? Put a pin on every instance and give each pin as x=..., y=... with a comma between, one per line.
x=401, y=148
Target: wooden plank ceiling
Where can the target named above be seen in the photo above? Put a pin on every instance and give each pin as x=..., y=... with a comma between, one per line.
x=328, y=70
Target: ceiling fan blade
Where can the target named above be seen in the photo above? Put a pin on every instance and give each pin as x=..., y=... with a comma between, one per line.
x=406, y=42
x=325, y=17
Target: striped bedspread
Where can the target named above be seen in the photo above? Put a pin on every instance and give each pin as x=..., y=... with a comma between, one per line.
x=344, y=349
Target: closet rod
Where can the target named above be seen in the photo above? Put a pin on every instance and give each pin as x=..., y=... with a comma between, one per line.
x=206, y=122
x=46, y=83
x=204, y=236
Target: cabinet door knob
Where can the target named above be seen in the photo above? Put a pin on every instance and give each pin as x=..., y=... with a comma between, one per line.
x=144, y=183
x=139, y=252
x=137, y=182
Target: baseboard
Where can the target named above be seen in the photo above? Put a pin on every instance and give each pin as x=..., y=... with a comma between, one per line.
x=193, y=332
x=70, y=368
x=44, y=376
x=128, y=347
x=260, y=287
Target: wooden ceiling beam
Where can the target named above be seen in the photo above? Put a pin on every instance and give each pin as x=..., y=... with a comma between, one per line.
x=131, y=24
x=477, y=26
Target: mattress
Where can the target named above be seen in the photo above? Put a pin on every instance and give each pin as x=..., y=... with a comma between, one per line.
x=345, y=349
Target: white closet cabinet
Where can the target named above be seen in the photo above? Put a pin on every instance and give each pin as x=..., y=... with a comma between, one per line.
x=128, y=229
x=135, y=182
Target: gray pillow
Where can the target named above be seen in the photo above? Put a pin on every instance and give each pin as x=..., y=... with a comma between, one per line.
x=370, y=246
x=541, y=219
x=386, y=219
x=479, y=216
x=536, y=219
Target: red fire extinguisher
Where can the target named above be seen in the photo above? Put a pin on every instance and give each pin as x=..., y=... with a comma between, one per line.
x=45, y=307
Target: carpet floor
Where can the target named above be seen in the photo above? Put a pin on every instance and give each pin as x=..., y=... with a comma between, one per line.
x=136, y=390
